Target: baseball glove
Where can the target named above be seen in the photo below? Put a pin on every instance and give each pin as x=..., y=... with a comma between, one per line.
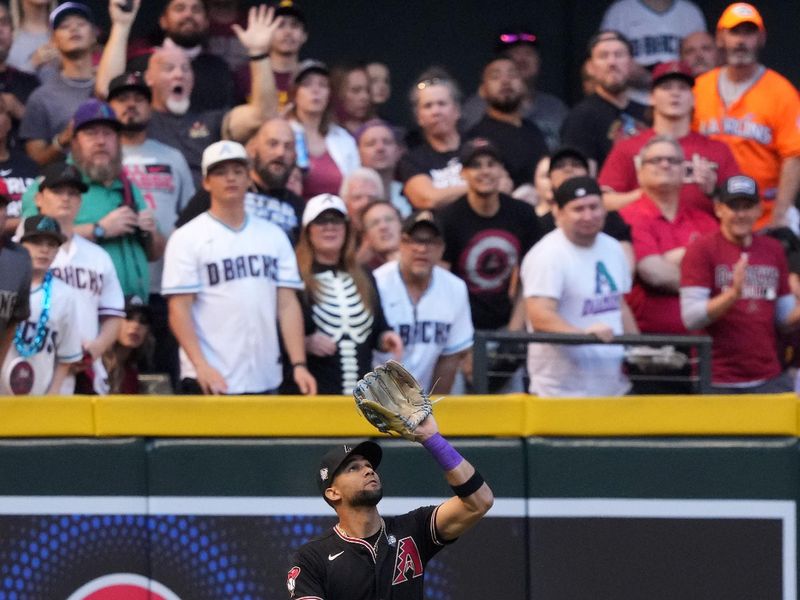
x=392, y=400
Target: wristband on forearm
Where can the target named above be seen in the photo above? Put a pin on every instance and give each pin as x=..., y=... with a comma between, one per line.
x=447, y=456
x=469, y=487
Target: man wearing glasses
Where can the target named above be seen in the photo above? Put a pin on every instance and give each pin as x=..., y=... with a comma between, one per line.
x=426, y=305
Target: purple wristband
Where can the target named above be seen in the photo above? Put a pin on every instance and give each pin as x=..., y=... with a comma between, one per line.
x=447, y=456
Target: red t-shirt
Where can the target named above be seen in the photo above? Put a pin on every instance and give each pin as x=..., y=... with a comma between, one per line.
x=619, y=171
x=323, y=176
x=658, y=310
x=745, y=345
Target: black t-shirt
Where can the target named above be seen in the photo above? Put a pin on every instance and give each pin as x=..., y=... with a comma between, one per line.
x=520, y=147
x=485, y=252
x=15, y=284
x=338, y=311
x=281, y=207
x=336, y=566
x=20, y=85
x=443, y=168
x=615, y=226
x=190, y=133
x=594, y=124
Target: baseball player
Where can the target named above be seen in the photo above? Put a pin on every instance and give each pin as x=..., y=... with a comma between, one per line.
x=366, y=556
x=88, y=270
x=15, y=281
x=48, y=341
x=227, y=275
x=426, y=305
x=755, y=111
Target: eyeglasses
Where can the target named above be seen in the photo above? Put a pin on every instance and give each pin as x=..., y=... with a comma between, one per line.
x=513, y=38
x=654, y=160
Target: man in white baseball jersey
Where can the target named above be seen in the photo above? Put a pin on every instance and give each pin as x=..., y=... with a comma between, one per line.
x=226, y=275
x=574, y=281
x=47, y=342
x=426, y=305
x=88, y=270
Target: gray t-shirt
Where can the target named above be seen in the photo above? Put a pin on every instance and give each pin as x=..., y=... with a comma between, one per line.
x=22, y=49
x=163, y=176
x=52, y=105
x=15, y=284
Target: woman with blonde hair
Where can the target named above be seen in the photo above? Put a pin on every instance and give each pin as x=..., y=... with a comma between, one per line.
x=344, y=320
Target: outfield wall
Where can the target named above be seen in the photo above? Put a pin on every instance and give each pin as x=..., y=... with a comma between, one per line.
x=206, y=498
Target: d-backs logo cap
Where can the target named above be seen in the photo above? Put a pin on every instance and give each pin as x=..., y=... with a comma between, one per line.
x=336, y=456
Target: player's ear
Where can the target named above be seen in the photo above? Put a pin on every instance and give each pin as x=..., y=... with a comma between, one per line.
x=332, y=494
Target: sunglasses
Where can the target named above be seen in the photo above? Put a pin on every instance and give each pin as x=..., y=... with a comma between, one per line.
x=329, y=218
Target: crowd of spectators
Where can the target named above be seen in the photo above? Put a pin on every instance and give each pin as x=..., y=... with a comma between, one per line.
x=209, y=204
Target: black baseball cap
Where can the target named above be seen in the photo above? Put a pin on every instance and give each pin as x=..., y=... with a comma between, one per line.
x=57, y=174
x=134, y=304
x=576, y=188
x=41, y=226
x=133, y=81
x=308, y=66
x=476, y=147
x=739, y=186
x=608, y=35
x=289, y=8
x=336, y=457
x=567, y=152
x=423, y=218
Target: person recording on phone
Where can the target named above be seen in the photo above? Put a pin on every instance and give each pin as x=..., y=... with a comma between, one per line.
x=706, y=162
x=113, y=213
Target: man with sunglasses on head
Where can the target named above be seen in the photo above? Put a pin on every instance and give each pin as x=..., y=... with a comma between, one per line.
x=426, y=305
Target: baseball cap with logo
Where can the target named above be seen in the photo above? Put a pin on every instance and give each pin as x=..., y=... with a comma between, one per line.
x=133, y=81
x=319, y=204
x=738, y=13
x=476, y=147
x=336, y=457
x=41, y=226
x=62, y=11
x=674, y=69
x=57, y=174
x=739, y=186
x=576, y=188
x=423, y=218
x=289, y=8
x=135, y=305
x=223, y=151
x=95, y=111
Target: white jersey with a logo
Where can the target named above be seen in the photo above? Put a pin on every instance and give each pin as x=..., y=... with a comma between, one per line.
x=87, y=269
x=62, y=340
x=234, y=275
x=589, y=284
x=439, y=324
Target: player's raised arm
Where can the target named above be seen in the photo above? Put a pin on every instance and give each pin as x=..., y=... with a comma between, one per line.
x=473, y=496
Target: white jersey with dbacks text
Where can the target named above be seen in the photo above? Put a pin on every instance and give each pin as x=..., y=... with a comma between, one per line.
x=439, y=325
x=234, y=275
x=62, y=340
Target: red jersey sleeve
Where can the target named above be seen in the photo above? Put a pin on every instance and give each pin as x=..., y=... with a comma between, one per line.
x=696, y=268
x=619, y=172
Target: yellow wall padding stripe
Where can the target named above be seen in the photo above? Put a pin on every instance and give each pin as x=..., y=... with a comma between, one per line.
x=511, y=415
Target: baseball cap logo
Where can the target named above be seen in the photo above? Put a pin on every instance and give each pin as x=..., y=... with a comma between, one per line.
x=347, y=449
x=741, y=185
x=580, y=192
x=742, y=10
x=323, y=473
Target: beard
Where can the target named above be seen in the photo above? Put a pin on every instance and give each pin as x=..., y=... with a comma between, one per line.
x=178, y=107
x=269, y=178
x=507, y=105
x=367, y=497
x=189, y=39
x=133, y=127
x=101, y=173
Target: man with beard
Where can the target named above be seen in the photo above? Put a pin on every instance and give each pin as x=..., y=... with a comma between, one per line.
x=272, y=154
x=46, y=128
x=175, y=121
x=365, y=556
x=755, y=111
x=184, y=23
x=113, y=213
x=597, y=121
x=699, y=51
x=164, y=178
x=519, y=140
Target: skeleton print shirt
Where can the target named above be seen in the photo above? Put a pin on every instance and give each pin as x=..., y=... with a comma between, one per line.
x=355, y=324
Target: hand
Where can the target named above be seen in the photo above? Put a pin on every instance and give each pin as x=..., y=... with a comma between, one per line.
x=675, y=256
x=320, y=344
x=65, y=137
x=14, y=107
x=427, y=428
x=704, y=174
x=120, y=221
x=93, y=349
x=147, y=221
x=261, y=25
x=602, y=332
x=44, y=54
x=391, y=342
x=210, y=380
x=305, y=381
x=118, y=16
x=778, y=219
x=739, y=274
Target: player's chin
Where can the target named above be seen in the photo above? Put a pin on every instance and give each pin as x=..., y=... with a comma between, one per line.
x=368, y=497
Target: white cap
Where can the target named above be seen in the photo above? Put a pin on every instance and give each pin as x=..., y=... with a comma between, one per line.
x=223, y=151
x=319, y=204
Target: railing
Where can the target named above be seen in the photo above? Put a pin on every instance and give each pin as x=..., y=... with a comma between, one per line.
x=700, y=376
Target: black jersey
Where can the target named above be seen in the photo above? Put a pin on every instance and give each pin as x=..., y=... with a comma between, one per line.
x=338, y=567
